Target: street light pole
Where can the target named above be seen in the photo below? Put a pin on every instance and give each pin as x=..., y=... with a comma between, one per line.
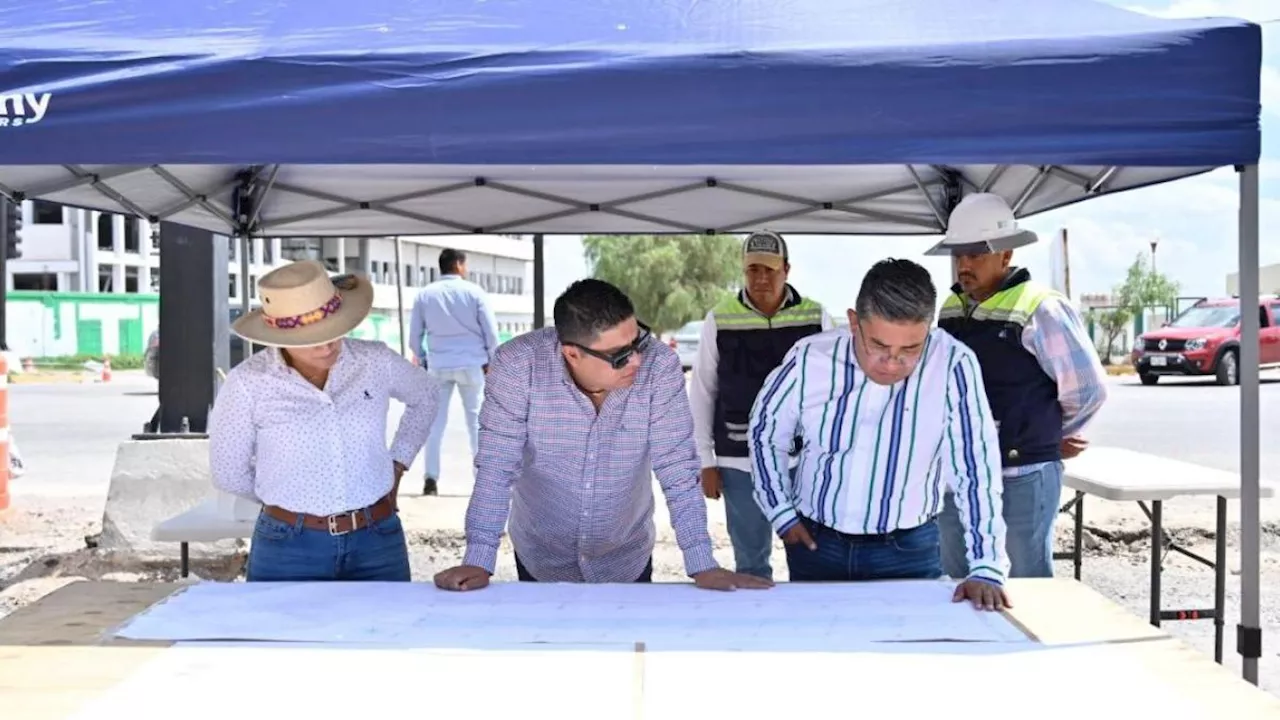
x=4, y=269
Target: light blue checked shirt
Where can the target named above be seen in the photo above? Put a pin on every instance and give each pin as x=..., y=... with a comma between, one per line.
x=454, y=316
x=877, y=458
x=576, y=486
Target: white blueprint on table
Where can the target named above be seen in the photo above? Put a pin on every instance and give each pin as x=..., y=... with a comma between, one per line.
x=808, y=617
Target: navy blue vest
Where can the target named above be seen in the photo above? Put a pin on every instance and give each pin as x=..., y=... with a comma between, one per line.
x=750, y=346
x=1023, y=398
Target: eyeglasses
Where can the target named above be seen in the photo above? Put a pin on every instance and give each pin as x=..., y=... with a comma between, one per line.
x=884, y=357
x=619, y=358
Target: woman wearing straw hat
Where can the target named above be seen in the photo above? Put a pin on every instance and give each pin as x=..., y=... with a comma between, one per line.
x=301, y=428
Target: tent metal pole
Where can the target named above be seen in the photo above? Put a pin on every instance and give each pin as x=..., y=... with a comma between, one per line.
x=1249, y=631
x=539, y=284
x=400, y=296
x=246, y=285
x=5, y=204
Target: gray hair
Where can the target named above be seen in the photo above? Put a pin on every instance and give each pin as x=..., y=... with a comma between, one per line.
x=899, y=291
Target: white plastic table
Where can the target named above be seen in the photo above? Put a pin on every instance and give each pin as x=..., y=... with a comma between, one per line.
x=221, y=517
x=1128, y=476
x=59, y=660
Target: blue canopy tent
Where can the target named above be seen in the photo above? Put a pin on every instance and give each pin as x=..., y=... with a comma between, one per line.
x=384, y=117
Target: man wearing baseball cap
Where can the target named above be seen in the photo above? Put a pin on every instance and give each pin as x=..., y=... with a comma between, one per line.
x=743, y=339
x=1041, y=372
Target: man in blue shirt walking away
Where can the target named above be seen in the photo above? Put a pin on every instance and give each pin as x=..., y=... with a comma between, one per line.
x=461, y=334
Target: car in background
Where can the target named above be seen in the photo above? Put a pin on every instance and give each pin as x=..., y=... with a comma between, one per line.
x=1205, y=340
x=685, y=342
x=151, y=357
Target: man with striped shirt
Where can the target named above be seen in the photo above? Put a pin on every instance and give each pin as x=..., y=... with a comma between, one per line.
x=890, y=413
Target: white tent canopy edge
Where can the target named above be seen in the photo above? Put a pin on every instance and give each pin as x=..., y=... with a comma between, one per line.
x=386, y=200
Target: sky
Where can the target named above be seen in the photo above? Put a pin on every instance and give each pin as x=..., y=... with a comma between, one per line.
x=1193, y=220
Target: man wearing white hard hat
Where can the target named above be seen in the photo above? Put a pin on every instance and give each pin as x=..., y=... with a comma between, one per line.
x=302, y=428
x=1042, y=375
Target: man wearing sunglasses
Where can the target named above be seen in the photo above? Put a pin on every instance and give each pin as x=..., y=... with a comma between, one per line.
x=744, y=338
x=576, y=421
x=890, y=413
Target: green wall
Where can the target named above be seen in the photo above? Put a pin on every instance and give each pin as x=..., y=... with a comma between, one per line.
x=52, y=324
x=56, y=324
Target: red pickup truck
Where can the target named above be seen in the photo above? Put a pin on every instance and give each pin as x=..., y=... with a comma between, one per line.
x=1205, y=340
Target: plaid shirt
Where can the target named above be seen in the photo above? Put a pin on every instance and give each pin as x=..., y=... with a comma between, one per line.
x=578, y=485
x=1061, y=342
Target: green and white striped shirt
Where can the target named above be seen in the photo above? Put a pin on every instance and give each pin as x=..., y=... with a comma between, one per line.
x=875, y=457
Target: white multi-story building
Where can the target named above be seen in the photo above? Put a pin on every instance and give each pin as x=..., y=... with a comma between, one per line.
x=71, y=250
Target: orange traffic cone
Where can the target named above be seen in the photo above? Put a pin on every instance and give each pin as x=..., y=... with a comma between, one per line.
x=106, y=369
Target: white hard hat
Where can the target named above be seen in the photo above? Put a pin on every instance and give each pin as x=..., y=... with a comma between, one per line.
x=982, y=223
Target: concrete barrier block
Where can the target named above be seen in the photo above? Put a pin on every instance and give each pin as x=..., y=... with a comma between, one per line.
x=152, y=481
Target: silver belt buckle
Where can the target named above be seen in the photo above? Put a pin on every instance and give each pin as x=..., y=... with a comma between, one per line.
x=333, y=523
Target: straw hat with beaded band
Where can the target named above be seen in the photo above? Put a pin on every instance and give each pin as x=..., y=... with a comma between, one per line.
x=302, y=306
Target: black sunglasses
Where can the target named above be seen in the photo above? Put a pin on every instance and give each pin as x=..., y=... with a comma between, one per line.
x=618, y=359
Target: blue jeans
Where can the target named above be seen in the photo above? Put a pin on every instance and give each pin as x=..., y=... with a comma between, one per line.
x=1030, y=507
x=469, y=383
x=749, y=530
x=290, y=552
x=909, y=554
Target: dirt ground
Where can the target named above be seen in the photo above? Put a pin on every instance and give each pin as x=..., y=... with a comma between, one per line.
x=43, y=547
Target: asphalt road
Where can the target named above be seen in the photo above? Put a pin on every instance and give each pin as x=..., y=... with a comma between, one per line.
x=69, y=432
x=1192, y=420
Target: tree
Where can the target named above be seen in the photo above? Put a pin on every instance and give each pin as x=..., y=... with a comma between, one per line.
x=1112, y=322
x=671, y=279
x=1145, y=288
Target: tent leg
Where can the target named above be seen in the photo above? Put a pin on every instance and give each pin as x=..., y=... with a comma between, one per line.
x=539, y=284
x=1249, y=631
x=246, y=285
x=193, y=328
x=400, y=299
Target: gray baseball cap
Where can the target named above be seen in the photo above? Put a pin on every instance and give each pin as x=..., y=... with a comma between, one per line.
x=765, y=248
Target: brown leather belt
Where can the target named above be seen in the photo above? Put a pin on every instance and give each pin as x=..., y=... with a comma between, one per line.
x=339, y=524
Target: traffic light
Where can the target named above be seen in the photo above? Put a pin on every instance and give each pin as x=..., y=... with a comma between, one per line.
x=11, y=228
